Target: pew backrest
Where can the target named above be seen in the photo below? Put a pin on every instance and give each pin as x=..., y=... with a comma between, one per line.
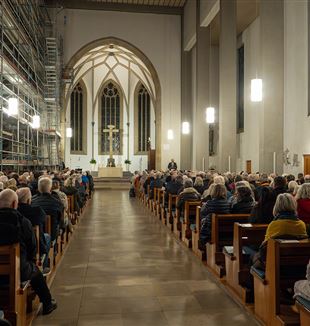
x=190, y=210
x=247, y=234
x=223, y=227
x=10, y=271
x=286, y=263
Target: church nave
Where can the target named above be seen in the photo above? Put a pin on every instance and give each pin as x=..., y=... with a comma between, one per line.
x=123, y=268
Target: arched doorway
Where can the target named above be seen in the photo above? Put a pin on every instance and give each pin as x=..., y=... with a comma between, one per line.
x=115, y=56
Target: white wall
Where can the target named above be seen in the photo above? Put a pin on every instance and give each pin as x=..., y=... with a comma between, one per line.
x=296, y=121
x=157, y=36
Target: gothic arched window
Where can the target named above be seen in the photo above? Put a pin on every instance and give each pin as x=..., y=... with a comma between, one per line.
x=78, y=119
x=110, y=113
x=142, y=119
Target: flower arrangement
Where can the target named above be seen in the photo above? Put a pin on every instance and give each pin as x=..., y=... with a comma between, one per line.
x=92, y=161
x=127, y=161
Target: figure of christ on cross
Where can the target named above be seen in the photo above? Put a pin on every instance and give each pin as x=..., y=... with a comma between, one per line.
x=110, y=130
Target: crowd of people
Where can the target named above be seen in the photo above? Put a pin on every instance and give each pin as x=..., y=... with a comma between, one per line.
x=25, y=201
x=282, y=202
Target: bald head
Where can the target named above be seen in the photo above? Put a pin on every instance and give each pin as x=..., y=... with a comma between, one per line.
x=8, y=199
x=24, y=195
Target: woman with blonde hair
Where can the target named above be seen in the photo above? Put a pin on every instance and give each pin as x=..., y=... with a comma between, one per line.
x=198, y=185
x=285, y=222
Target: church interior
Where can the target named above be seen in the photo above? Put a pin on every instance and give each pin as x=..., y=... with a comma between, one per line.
x=154, y=162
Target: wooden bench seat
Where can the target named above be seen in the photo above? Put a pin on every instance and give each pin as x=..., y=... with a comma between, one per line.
x=286, y=263
x=247, y=237
x=187, y=226
x=160, y=202
x=13, y=294
x=304, y=311
x=221, y=235
x=170, y=210
x=195, y=236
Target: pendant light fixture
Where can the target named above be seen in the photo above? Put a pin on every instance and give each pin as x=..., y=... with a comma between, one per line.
x=36, y=122
x=185, y=128
x=69, y=132
x=12, y=106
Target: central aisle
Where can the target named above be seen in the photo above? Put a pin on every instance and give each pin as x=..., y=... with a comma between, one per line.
x=123, y=268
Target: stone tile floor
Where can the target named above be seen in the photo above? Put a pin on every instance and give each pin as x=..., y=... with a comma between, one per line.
x=122, y=268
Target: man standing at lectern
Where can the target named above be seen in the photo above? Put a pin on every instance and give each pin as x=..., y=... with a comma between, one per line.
x=172, y=165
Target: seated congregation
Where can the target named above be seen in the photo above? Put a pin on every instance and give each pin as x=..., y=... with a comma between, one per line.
x=250, y=230
x=38, y=214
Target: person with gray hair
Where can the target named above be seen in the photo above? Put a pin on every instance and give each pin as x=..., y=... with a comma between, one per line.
x=50, y=203
x=303, y=203
x=15, y=228
x=188, y=194
x=36, y=216
x=286, y=223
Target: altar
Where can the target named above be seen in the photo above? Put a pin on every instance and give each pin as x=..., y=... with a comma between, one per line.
x=110, y=172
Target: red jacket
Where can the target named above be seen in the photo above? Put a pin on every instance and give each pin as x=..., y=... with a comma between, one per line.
x=303, y=210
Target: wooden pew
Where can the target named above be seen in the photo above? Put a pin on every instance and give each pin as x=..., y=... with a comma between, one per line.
x=177, y=227
x=221, y=235
x=168, y=211
x=161, y=208
x=195, y=236
x=237, y=260
x=286, y=263
x=154, y=200
x=189, y=210
x=160, y=202
x=303, y=306
x=13, y=298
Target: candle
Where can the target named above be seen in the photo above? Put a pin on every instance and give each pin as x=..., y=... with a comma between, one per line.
x=203, y=164
x=229, y=163
x=274, y=162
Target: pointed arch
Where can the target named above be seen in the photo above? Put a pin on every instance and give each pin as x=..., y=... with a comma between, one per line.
x=110, y=112
x=78, y=119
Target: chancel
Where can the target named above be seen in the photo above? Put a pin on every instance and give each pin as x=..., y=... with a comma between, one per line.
x=155, y=162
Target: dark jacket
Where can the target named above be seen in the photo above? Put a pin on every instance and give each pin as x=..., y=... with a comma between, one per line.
x=172, y=188
x=262, y=212
x=243, y=206
x=51, y=206
x=36, y=216
x=188, y=194
x=71, y=191
x=172, y=166
x=217, y=206
x=14, y=228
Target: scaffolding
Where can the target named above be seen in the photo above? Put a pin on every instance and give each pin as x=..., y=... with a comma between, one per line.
x=30, y=68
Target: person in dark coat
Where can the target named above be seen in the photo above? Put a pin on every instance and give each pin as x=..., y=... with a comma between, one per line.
x=262, y=212
x=36, y=216
x=279, y=186
x=218, y=204
x=15, y=228
x=243, y=200
x=174, y=187
x=50, y=204
x=188, y=194
x=172, y=165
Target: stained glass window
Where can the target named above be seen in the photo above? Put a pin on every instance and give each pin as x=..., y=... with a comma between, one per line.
x=144, y=118
x=110, y=114
x=77, y=119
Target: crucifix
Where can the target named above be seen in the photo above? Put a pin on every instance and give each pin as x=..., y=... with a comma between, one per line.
x=110, y=130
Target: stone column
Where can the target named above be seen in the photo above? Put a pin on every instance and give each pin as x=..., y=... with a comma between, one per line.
x=227, y=91
x=201, y=141
x=272, y=74
x=186, y=110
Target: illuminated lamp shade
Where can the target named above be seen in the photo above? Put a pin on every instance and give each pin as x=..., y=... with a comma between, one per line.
x=210, y=114
x=13, y=106
x=69, y=132
x=36, y=122
x=170, y=135
x=256, y=90
x=185, y=128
